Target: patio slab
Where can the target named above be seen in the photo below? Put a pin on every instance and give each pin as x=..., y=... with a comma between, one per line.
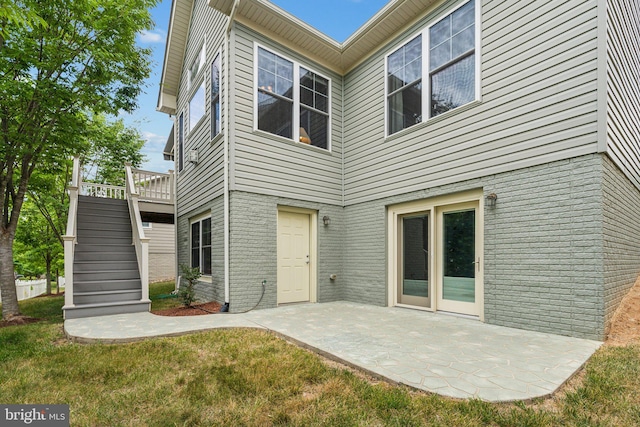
x=447, y=355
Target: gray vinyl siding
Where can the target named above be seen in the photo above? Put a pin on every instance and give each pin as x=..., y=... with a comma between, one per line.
x=538, y=104
x=161, y=238
x=272, y=165
x=623, y=86
x=200, y=183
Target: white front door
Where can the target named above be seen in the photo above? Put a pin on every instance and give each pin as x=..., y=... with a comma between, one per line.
x=294, y=257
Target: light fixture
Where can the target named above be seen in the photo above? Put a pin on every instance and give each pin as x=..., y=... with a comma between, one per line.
x=491, y=200
x=326, y=220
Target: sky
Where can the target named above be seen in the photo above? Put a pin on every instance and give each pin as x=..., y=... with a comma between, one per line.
x=336, y=18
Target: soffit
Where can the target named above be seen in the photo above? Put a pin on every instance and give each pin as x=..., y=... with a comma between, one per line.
x=174, y=54
x=272, y=21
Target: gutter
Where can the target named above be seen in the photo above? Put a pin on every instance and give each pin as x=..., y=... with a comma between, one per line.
x=227, y=130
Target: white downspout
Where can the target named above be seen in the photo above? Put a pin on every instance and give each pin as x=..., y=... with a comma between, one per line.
x=227, y=122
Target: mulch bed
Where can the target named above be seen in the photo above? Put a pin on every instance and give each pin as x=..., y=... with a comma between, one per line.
x=194, y=310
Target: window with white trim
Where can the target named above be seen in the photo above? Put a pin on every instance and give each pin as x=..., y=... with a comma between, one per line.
x=201, y=245
x=444, y=66
x=197, y=65
x=292, y=101
x=215, y=96
x=197, y=107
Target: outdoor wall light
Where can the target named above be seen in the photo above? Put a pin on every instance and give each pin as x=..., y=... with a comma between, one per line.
x=326, y=220
x=491, y=200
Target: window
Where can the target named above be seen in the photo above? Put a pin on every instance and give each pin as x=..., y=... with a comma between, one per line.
x=146, y=225
x=197, y=65
x=292, y=101
x=404, y=83
x=196, y=107
x=452, y=60
x=215, y=96
x=201, y=245
x=180, y=142
x=449, y=77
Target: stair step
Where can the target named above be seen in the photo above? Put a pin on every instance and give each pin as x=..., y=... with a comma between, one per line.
x=105, y=297
x=90, y=200
x=104, y=264
x=106, y=232
x=84, y=255
x=106, y=309
x=106, y=216
x=104, y=248
x=106, y=285
x=106, y=275
x=105, y=240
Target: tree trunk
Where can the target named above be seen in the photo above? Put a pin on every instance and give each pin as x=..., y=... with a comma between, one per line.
x=48, y=262
x=7, y=278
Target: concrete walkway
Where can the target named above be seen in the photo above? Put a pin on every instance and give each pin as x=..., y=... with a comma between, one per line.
x=447, y=355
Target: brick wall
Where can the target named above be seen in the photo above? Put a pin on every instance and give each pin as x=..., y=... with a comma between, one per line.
x=542, y=247
x=209, y=289
x=253, y=230
x=621, y=236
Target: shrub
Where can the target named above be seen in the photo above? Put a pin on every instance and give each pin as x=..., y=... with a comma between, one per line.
x=187, y=292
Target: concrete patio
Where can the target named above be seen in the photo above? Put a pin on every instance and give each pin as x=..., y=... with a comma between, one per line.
x=450, y=356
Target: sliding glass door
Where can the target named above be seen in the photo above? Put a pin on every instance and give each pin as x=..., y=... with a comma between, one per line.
x=415, y=236
x=435, y=254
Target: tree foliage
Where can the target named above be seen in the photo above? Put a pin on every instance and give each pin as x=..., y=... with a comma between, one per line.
x=111, y=144
x=66, y=58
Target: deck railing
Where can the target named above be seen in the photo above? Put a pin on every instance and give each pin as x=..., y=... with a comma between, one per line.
x=153, y=186
x=102, y=190
x=150, y=186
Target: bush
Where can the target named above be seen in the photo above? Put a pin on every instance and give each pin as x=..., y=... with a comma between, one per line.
x=187, y=292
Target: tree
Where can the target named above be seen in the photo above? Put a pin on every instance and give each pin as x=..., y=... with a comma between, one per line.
x=111, y=145
x=37, y=246
x=81, y=58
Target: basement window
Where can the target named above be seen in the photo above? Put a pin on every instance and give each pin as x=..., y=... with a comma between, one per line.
x=201, y=245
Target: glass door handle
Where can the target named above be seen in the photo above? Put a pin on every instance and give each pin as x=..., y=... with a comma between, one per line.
x=478, y=263
x=307, y=260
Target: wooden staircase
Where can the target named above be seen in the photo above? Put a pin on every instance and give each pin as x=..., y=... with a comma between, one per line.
x=105, y=268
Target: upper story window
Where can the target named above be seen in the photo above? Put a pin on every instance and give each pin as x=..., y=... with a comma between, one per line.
x=433, y=76
x=197, y=106
x=292, y=101
x=197, y=65
x=215, y=96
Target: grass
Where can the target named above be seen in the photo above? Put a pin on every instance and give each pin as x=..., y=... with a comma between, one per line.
x=158, y=293
x=248, y=377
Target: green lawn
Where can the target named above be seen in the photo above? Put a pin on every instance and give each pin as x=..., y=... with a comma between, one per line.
x=248, y=377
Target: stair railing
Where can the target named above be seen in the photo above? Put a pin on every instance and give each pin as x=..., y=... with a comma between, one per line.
x=70, y=238
x=139, y=240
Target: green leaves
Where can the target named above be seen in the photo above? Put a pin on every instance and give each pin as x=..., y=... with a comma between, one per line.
x=61, y=63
